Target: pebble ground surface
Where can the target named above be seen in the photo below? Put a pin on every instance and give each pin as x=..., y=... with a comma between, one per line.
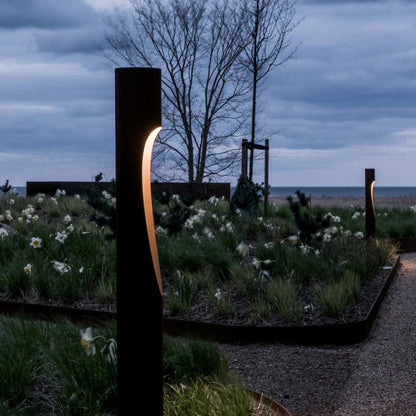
x=376, y=377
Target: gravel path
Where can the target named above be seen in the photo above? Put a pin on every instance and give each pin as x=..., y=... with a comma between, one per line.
x=374, y=378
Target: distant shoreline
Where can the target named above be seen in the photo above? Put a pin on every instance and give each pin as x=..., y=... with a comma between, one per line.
x=388, y=196
x=403, y=201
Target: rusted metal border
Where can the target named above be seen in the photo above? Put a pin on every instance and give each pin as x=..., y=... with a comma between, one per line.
x=404, y=244
x=277, y=408
x=51, y=312
x=336, y=334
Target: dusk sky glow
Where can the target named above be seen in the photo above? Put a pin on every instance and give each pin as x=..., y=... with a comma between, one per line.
x=346, y=103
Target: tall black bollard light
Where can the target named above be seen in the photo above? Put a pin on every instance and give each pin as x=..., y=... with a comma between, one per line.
x=370, y=213
x=139, y=286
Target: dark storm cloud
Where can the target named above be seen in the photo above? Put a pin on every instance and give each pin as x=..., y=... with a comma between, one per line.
x=50, y=14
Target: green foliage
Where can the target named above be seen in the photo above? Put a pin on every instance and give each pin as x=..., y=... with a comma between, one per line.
x=220, y=300
x=174, y=215
x=38, y=355
x=282, y=295
x=197, y=381
x=335, y=297
x=181, y=292
x=188, y=359
x=90, y=386
x=207, y=398
x=307, y=223
x=6, y=187
x=246, y=197
x=89, y=257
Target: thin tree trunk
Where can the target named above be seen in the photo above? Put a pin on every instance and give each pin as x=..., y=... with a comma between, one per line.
x=253, y=125
x=255, y=74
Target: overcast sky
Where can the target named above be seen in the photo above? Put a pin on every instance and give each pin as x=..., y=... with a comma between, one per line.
x=348, y=102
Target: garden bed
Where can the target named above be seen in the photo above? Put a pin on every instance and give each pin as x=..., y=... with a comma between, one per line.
x=353, y=326
x=57, y=257
x=301, y=275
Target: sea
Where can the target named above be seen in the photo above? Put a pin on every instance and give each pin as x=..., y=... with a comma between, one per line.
x=339, y=191
x=320, y=191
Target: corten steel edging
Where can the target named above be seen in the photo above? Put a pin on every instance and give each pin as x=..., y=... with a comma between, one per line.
x=277, y=408
x=51, y=312
x=335, y=334
x=405, y=244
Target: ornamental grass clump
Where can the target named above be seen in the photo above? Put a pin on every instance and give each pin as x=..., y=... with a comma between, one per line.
x=182, y=290
x=189, y=359
x=197, y=381
x=221, y=301
x=334, y=297
x=283, y=297
x=204, y=398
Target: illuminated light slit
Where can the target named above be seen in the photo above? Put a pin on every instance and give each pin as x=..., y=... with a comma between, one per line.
x=372, y=196
x=148, y=206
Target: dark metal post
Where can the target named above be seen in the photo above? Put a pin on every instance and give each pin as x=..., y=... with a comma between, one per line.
x=370, y=215
x=244, y=146
x=139, y=296
x=266, y=178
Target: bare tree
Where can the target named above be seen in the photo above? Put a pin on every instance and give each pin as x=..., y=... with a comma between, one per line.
x=270, y=24
x=197, y=44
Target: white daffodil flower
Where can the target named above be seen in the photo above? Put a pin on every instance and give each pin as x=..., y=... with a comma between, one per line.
x=36, y=242
x=87, y=341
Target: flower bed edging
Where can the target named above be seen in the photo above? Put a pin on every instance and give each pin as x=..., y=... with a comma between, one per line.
x=335, y=334
x=49, y=312
x=405, y=244
x=276, y=407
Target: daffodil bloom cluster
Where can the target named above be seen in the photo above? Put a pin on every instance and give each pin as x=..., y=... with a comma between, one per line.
x=305, y=249
x=8, y=216
x=228, y=227
x=60, y=192
x=61, y=267
x=242, y=249
x=108, y=197
x=213, y=200
x=61, y=236
x=195, y=219
x=356, y=215
x=257, y=263
x=28, y=215
x=108, y=351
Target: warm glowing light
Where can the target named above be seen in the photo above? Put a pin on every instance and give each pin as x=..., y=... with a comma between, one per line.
x=372, y=196
x=148, y=206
